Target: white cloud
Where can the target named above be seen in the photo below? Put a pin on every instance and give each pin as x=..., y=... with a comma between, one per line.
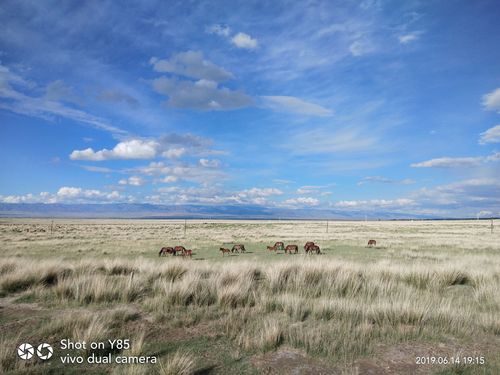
x=465, y=197
x=191, y=64
x=169, y=179
x=219, y=29
x=170, y=146
x=132, y=180
x=181, y=171
x=491, y=100
x=492, y=135
x=462, y=162
x=375, y=203
x=68, y=194
x=295, y=105
x=361, y=47
x=214, y=163
x=301, y=201
x=259, y=192
x=407, y=38
x=242, y=40
x=174, y=153
x=132, y=149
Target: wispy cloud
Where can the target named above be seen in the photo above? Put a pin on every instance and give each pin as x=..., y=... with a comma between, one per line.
x=384, y=180
x=461, y=162
x=295, y=105
x=492, y=135
x=45, y=106
x=410, y=37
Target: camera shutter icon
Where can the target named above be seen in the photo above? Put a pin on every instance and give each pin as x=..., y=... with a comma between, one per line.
x=25, y=351
x=44, y=351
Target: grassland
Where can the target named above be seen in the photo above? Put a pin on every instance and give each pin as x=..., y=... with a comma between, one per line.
x=426, y=289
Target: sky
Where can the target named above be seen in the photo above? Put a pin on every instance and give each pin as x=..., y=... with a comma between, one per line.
x=357, y=106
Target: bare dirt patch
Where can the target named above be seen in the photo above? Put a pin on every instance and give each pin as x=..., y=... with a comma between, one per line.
x=287, y=361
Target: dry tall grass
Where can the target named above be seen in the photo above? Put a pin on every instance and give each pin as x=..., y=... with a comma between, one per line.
x=329, y=307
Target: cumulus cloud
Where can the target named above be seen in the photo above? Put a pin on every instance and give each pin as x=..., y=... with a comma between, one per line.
x=212, y=194
x=491, y=101
x=384, y=180
x=209, y=163
x=492, y=135
x=461, y=162
x=191, y=64
x=242, y=40
x=259, y=192
x=132, y=180
x=132, y=149
x=67, y=194
x=203, y=94
x=169, y=179
x=181, y=171
x=466, y=196
x=301, y=201
x=295, y=105
x=169, y=146
x=375, y=203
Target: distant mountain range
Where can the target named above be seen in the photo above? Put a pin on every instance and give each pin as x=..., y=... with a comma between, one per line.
x=189, y=211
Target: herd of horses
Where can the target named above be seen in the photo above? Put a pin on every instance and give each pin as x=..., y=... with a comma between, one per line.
x=309, y=248
x=177, y=250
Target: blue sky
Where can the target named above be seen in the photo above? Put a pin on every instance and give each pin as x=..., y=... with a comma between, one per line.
x=357, y=106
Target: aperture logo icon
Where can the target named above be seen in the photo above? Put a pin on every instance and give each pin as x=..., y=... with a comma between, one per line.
x=25, y=351
x=43, y=351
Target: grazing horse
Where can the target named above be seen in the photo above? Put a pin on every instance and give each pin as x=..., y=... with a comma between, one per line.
x=224, y=250
x=239, y=248
x=372, y=243
x=166, y=250
x=180, y=249
x=290, y=248
x=188, y=253
x=311, y=248
x=307, y=245
x=271, y=248
x=315, y=248
x=279, y=246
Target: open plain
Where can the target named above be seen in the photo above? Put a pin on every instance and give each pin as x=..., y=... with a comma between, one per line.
x=428, y=291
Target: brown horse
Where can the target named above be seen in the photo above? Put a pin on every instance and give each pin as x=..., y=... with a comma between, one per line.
x=290, y=248
x=307, y=245
x=239, y=248
x=313, y=248
x=271, y=248
x=224, y=250
x=188, y=253
x=372, y=243
x=180, y=249
x=166, y=250
x=279, y=246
